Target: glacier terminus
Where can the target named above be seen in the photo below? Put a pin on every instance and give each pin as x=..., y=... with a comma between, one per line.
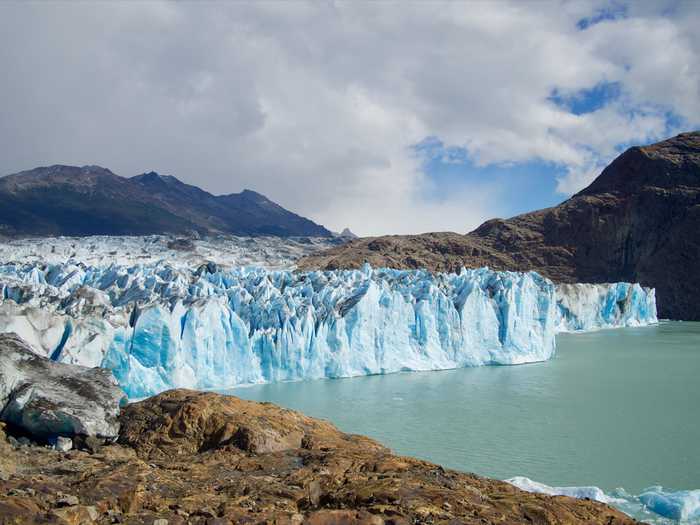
x=159, y=325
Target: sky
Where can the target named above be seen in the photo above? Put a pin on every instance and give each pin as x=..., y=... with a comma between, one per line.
x=382, y=117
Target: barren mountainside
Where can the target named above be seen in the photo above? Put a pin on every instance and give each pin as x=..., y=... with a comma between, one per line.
x=90, y=200
x=639, y=221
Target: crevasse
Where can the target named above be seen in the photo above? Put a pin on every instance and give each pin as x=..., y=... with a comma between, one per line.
x=159, y=327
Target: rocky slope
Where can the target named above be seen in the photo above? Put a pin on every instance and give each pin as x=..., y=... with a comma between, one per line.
x=192, y=457
x=90, y=200
x=639, y=221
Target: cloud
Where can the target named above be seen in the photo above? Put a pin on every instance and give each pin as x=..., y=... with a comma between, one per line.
x=319, y=105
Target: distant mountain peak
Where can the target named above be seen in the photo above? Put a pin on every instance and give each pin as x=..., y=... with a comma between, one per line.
x=154, y=176
x=639, y=167
x=149, y=177
x=251, y=193
x=52, y=201
x=90, y=168
x=345, y=234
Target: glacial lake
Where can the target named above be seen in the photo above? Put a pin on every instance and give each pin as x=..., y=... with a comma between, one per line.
x=614, y=408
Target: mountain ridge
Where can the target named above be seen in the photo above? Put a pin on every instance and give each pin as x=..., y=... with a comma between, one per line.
x=92, y=200
x=638, y=221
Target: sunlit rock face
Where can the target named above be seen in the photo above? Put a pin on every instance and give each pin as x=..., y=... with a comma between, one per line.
x=158, y=326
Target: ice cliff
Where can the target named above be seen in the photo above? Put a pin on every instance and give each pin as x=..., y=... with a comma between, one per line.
x=159, y=326
x=584, y=307
x=654, y=505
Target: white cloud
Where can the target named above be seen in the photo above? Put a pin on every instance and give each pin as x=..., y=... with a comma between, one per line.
x=317, y=104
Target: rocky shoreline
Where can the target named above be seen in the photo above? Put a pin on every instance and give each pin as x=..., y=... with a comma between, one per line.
x=203, y=458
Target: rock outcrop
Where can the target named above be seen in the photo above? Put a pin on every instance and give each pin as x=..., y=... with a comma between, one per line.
x=203, y=458
x=47, y=399
x=186, y=422
x=639, y=221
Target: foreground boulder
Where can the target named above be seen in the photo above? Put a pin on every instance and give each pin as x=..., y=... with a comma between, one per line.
x=187, y=422
x=46, y=399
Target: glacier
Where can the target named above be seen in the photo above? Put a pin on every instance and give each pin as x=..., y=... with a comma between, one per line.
x=594, y=493
x=273, y=253
x=654, y=505
x=159, y=326
x=585, y=307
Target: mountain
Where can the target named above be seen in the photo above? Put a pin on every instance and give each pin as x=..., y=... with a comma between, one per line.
x=345, y=234
x=90, y=200
x=639, y=221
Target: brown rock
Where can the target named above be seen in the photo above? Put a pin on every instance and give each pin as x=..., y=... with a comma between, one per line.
x=7, y=466
x=77, y=515
x=91, y=443
x=19, y=510
x=342, y=517
x=313, y=493
x=187, y=422
x=67, y=500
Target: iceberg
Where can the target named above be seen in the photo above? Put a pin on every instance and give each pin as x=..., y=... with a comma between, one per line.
x=653, y=505
x=594, y=493
x=158, y=326
x=682, y=505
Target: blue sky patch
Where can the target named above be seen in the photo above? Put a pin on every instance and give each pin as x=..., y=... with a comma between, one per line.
x=613, y=11
x=587, y=100
x=522, y=187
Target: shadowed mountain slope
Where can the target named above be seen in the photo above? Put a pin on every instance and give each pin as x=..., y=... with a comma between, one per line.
x=90, y=200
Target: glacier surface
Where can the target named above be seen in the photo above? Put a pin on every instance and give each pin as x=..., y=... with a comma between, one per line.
x=273, y=253
x=160, y=326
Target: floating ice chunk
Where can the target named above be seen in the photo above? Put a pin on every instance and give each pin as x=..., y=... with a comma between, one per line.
x=682, y=505
x=593, y=493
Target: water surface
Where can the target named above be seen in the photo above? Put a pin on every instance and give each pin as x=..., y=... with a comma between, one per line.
x=614, y=408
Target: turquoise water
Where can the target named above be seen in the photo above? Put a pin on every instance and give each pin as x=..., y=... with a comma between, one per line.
x=614, y=408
